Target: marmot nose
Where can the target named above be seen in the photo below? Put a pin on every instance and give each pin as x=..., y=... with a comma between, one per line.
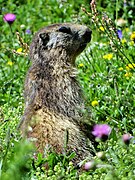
x=87, y=35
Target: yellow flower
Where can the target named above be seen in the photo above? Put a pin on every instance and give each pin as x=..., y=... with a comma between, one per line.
x=127, y=29
x=120, y=69
x=108, y=56
x=19, y=50
x=130, y=66
x=123, y=41
x=102, y=28
x=94, y=103
x=10, y=63
x=128, y=75
x=81, y=65
x=127, y=68
x=131, y=43
x=132, y=37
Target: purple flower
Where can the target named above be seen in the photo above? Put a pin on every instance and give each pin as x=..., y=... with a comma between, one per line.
x=89, y=165
x=9, y=18
x=28, y=31
x=125, y=3
x=101, y=131
x=126, y=138
x=119, y=32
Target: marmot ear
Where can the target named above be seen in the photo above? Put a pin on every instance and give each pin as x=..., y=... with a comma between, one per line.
x=44, y=38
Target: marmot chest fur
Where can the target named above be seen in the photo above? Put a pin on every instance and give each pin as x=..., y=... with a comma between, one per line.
x=52, y=94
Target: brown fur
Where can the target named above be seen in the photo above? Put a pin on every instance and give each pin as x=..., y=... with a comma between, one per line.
x=52, y=94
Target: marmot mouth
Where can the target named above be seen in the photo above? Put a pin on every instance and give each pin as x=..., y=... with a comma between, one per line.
x=83, y=46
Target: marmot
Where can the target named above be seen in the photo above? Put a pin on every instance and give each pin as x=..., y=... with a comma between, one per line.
x=52, y=94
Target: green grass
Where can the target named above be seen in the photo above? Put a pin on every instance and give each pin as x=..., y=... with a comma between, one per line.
x=106, y=74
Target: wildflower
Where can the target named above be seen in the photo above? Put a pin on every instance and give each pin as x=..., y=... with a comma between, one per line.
x=94, y=103
x=102, y=28
x=9, y=18
x=127, y=68
x=28, y=31
x=128, y=75
x=132, y=37
x=89, y=165
x=19, y=50
x=81, y=65
x=120, y=69
x=108, y=56
x=123, y=41
x=131, y=43
x=101, y=131
x=10, y=63
x=130, y=66
x=119, y=32
x=126, y=138
x=22, y=26
x=127, y=29
x=121, y=22
x=100, y=155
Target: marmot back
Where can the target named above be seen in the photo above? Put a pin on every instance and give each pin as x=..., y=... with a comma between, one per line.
x=53, y=97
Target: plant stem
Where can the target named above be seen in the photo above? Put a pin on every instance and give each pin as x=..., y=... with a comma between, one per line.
x=116, y=12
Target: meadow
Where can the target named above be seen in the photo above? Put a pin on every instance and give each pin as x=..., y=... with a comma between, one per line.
x=107, y=76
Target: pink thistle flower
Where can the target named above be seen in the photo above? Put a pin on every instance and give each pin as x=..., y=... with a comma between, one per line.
x=89, y=165
x=9, y=18
x=126, y=138
x=101, y=131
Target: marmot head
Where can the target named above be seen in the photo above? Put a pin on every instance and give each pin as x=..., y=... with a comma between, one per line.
x=72, y=38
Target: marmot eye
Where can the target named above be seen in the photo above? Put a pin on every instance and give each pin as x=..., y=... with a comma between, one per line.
x=65, y=29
